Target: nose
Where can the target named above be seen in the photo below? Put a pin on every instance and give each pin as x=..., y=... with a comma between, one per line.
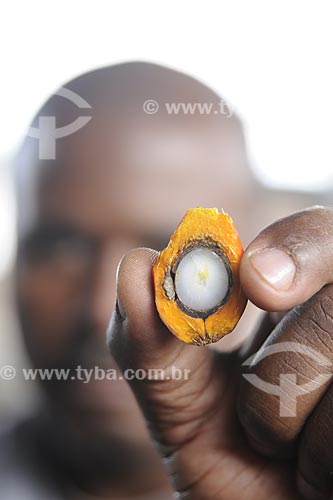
x=101, y=297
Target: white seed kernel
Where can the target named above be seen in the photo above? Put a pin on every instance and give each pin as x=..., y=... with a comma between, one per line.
x=201, y=280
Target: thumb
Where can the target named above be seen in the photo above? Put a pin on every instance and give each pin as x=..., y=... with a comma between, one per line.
x=290, y=260
x=189, y=383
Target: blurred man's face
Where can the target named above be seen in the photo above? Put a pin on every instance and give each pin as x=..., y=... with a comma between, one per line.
x=108, y=196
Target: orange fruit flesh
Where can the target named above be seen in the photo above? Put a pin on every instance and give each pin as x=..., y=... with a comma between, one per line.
x=209, y=227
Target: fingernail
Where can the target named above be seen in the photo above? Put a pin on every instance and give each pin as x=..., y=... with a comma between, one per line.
x=276, y=267
x=120, y=310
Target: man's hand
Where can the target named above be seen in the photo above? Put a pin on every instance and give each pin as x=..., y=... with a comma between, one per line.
x=222, y=436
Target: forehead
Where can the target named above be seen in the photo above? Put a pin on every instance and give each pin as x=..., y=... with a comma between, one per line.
x=143, y=175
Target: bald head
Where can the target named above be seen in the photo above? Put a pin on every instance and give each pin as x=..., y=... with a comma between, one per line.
x=189, y=152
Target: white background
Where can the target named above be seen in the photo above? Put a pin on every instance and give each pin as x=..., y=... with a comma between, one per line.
x=271, y=59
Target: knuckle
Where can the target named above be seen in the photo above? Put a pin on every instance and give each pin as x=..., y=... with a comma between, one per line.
x=305, y=231
x=311, y=325
x=259, y=416
x=318, y=321
x=325, y=213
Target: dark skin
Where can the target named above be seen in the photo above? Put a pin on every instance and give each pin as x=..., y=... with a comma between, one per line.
x=106, y=193
x=103, y=196
x=222, y=437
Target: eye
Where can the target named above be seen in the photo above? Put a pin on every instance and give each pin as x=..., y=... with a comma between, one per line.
x=54, y=242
